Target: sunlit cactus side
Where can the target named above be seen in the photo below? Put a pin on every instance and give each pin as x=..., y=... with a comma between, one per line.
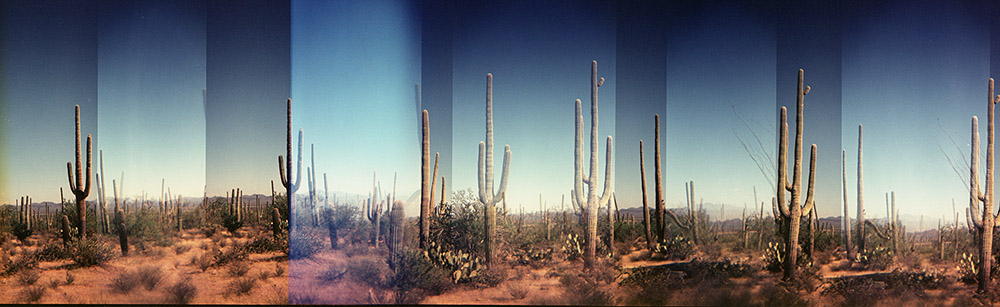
x=661, y=228
x=650, y=241
x=426, y=185
x=487, y=196
x=285, y=170
x=689, y=222
x=101, y=199
x=396, y=233
x=861, y=192
x=847, y=217
x=311, y=173
x=983, y=221
x=81, y=192
x=791, y=212
x=591, y=201
x=24, y=213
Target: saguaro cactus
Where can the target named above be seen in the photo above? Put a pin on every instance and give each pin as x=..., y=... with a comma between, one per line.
x=373, y=211
x=487, y=195
x=891, y=231
x=120, y=222
x=426, y=186
x=690, y=222
x=645, y=206
x=396, y=233
x=286, y=171
x=81, y=193
x=983, y=221
x=791, y=212
x=861, y=192
x=847, y=216
x=592, y=201
x=661, y=220
x=101, y=199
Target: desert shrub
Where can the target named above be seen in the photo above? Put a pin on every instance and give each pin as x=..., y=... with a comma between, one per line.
x=32, y=294
x=181, y=293
x=21, y=230
x=54, y=283
x=367, y=270
x=231, y=222
x=263, y=275
x=278, y=270
x=304, y=243
x=774, y=258
x=232, y=254
x=70, y=278
x=125, y=282
x=91, y=252
x=416, y=277
x=191, y=219
x=461, y=266
x=28, y=277
x=242, y=285
x=676, y=248
x=181, y=249
x=203, y=262
x=532, y=256
x=266, y=243
x=299, y=298
x=21, y=263
x=584, y=289
x=879, y=258
x=340, y=217
x=149, y=276
x=238, y=269
x=827, y=240
x=52, y=252
x=517, y=291
x=210, y=230
x=779, y=296
x=459, y=225
x=332, y=274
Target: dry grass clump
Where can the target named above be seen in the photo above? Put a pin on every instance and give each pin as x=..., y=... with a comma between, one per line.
x=181, y=293
x=33, y=294
x=517, y=291
x=28, y=277
x=238, y=269
x=242, y=285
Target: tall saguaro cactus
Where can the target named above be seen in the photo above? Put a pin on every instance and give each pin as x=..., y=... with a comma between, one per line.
x=847, y=216
x=592, y=201
x=373, y=211
x=984, y=221
x=286, y=170
x=81, y=193
x=645, y=206
x=487, y=195
x=396, y=233
x=426, y=187
x=791, y=212
x=861, y=192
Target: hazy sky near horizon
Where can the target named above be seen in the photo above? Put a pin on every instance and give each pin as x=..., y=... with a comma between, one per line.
x=151, y=72
x=914, y=73
x=354, y=68
x=537, y=76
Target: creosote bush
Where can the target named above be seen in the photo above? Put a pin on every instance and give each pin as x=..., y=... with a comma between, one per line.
x=91, y=252
x=33, y=293
x=242, y=285
x=181, y=293
x=28, y=277
x=304, y=243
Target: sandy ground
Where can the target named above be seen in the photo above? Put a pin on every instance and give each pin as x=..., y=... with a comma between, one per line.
x=93, y=285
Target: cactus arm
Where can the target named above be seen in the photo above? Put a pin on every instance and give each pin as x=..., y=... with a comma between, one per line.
x=503, y=176
x=969, y=220
x=579, y=177
x=298, y=171
x=884, y=236
x=482, y=173
x=281, y=169
x=86, y=189
x=810, y=201
x=79, y=170
x=69, y=173
x=437, y=156
x=608, y=173
x=682, y=225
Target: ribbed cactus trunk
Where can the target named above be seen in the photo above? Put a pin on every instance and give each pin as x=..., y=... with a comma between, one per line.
x=66, y=238
x=396, y=233
x=650, y=242
x=373, y=210
x=983, y=221
x=81, y=193
x=425, y=181
x=591, y=201
x=861, y=192
x=275, y=222
x=661, y=221
x=120, y=222
x=487, y=196
x=285, y=170
x=847, y=215
x=791, y=212
x=101, y=199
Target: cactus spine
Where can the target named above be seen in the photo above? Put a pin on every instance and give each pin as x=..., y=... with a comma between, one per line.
x=645, y=205
x=487, y=196
x=590, y=204
x=984, y=222
x=81, y=193
x=426, y=186
x=286, y=170
x=791, y=212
